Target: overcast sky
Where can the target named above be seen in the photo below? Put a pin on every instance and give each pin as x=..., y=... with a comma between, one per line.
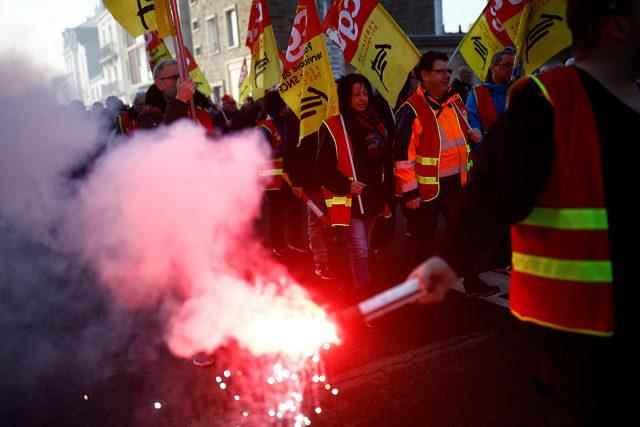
x=35, y=26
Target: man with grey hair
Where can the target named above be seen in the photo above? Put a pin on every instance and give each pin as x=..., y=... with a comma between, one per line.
x=173, y=95
x=489, y=100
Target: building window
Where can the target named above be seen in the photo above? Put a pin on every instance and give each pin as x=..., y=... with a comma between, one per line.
x=213, y=39
x=134, y=67
x=145, y=68
x=198, y=50
x=217, y=91
x=195, y=24
x=231, y=17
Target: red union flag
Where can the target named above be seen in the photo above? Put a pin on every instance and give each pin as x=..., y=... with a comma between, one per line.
x=373, y=43
x=499, y=15
x=265, y=64
x=307, y=84
x=305, y=27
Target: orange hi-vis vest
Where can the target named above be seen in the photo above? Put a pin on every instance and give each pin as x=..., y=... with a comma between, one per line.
x=275, y=170
x=339, y=205
x=562, y=273
x=486, y=107
x=421, y=170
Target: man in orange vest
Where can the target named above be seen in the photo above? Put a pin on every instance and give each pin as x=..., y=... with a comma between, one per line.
x=431, y=155
x=557, y=170
x=489, y=100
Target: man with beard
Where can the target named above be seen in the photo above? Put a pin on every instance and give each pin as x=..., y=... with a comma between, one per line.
x=556, y=167
x=173, y=96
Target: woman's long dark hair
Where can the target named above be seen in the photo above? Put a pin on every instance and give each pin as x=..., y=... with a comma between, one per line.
x=345, y=86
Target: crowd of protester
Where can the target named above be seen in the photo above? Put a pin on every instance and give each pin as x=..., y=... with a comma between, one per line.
x=449, y=170
x=347, y=256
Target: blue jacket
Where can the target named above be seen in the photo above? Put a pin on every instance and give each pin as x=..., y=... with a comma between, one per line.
x=499, y=96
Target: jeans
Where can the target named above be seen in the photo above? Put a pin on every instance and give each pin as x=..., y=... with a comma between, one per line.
x=317, y=244
x=358, y=237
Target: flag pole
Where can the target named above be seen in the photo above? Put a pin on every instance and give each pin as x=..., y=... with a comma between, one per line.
x=180, y=54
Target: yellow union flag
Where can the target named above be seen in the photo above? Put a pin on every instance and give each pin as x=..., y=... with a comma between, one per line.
x=493, y=31
x=307, y=84
x=245, y=83
x=543, y=34
x=140, y=16
x=261, y=40
x=373, y=43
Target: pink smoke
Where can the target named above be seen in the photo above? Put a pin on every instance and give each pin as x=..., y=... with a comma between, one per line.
x=168, y=221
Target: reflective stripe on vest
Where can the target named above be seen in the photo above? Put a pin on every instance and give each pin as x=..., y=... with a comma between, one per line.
x=562, y=273
x=338, y=201
x=568, y=219
x=339, y=206
x=276, y=169
x=275, y=175
x=427, y=161
x=551, y=268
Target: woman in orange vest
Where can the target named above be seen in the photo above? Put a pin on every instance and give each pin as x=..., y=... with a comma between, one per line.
x=557, y=169
x=355, y=171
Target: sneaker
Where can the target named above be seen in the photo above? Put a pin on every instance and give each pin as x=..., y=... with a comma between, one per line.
x=322, y=271
x=474, y=287
x=483, y=292
x=505, y=270
x=202, y=359
x=296, y=249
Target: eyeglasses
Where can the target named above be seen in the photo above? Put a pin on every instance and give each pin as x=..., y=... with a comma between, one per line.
x=443, y=71
x=173, y=77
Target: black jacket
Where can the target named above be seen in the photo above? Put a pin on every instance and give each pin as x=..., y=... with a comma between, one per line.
x=173, y=109
x=372, y=163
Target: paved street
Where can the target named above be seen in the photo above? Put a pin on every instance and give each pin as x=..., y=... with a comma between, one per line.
x=440, y=365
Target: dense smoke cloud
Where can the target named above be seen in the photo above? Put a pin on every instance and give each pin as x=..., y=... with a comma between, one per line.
x=152, y=249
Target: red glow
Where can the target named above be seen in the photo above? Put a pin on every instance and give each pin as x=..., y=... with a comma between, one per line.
x=299, y=331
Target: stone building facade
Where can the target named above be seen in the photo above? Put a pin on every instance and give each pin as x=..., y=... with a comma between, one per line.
x=218, y=30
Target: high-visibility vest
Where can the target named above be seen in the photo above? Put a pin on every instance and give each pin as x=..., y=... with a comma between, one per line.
x=486, y=108
x=562, y=273
x=339, y=205
x=424, y=149
x=275, y=170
